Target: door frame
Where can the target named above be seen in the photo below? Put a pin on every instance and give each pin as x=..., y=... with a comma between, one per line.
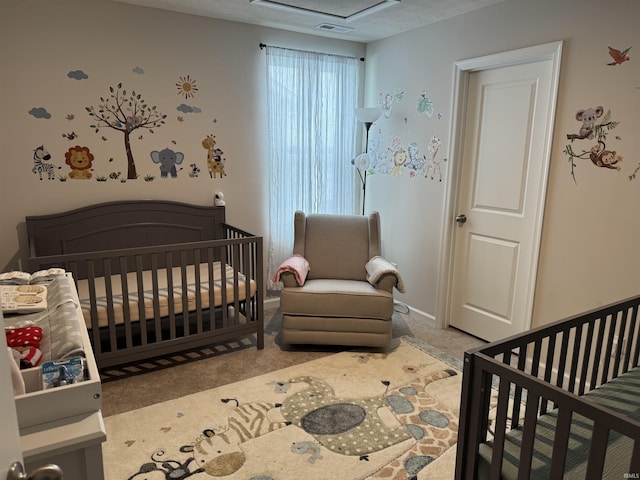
x=461, y=72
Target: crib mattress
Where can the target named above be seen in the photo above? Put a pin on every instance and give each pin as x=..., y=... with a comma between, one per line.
x=620, y=395
x=164, y=296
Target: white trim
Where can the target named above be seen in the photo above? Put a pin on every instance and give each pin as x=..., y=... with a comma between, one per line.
x=461, y=71
x=383, y=4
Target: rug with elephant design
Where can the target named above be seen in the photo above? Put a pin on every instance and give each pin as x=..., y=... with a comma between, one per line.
x=351, y=415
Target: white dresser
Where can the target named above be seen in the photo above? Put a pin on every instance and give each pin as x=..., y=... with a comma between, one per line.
x=64, y=425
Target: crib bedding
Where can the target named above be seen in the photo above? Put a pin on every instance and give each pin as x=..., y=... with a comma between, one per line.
x=622, y=395
x=61, y=336
x=164, y=298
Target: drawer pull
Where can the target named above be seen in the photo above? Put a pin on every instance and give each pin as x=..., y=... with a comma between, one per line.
x=46, y=472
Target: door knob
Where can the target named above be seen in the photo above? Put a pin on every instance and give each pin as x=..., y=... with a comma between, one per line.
x=461, y=219
x=46, y=472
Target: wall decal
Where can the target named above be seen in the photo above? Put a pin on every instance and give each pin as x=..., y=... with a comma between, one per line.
x=167, y=159
x=619, y=56
x=417, y=162
x=195, y=171
x=188, y=109
x=187, y=87
x=590, y=130
x=433, y=167
x=215, y=162
x=70, y=136
x=126, y=113
x=40, y=112
x=588, y=117
x=80, y=160
x=77, y=75
x=388, y=99
x=425, y=105
x=41, y=163
x=69, y=116
x=138, y=70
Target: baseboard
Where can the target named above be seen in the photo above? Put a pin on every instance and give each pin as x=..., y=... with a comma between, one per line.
x=429, y=320
x=271, y=301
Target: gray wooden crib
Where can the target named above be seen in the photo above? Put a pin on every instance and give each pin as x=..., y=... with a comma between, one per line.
x=154, y=277
x=560, y=401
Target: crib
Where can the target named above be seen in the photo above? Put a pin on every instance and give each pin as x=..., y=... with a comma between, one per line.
x=560, y=401
x=154, y=277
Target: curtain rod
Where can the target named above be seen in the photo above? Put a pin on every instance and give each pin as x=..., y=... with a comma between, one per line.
x=264, y=45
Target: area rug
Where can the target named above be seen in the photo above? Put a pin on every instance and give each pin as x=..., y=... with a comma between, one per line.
x=350, y=415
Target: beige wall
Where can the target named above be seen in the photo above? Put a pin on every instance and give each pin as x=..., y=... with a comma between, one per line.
x=43, y=41
x=590, y=253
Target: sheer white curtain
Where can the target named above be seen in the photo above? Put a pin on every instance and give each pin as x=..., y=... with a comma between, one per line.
x=311, y=102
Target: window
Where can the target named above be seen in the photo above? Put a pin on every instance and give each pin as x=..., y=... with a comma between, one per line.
x=311, y=105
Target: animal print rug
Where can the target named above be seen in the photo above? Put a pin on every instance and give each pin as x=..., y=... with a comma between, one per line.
x=349, y=416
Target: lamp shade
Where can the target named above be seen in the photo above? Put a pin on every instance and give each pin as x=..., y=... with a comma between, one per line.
x=368, y=115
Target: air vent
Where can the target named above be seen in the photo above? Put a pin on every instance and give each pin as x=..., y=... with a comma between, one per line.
x=329, y=27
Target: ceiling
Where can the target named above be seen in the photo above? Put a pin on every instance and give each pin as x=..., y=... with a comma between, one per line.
x=366, y=20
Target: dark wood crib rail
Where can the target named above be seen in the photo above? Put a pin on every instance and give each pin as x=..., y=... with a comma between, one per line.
x=133, y=340
x=550, y=367
x=132, y=236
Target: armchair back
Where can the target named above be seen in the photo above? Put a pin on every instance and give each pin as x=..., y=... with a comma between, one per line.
x=337, y=246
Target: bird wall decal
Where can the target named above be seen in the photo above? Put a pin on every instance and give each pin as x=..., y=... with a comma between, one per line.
x=619, y=56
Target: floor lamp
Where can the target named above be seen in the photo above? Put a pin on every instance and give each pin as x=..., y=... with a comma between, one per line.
x=367, y=116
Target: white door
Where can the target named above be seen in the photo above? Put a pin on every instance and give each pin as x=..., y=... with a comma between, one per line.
x=505, y=149
x=10, y=450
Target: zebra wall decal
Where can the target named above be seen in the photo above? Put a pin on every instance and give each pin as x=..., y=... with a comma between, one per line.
x=41, y=157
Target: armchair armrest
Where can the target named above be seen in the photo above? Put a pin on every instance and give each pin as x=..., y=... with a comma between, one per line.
x=382, y=274
x=293, y=271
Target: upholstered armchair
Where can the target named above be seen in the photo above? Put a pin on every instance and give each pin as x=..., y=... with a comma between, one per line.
x=338, y=290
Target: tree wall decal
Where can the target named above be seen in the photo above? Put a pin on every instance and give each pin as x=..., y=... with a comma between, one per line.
x=126, y=114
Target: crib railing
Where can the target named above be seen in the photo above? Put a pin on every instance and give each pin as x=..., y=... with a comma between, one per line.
x=548, y=368
x=237, y=310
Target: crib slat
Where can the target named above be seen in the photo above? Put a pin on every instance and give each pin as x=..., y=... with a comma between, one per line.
x=246, y=264
x=630, y=361
x=156, y=298
x=171, y=303
x=605, y=374
x=575, y=359
x=125, y=301
x=197, y=289
x=517, y=396
x=560, y=443
x=141, y=306
x=587, y=357
x=223, y=282
x=93, y=308
x=635, y=458
x=528, y=435
x=597, y=452
x=211, y=277
x=236, y=290
x=551, y=347
x=113, y=336
x=500, y=430
x=598, y=353
x=185, y=298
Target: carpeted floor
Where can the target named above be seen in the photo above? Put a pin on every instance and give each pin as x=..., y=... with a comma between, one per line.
x=241, y=360
x=350, y=415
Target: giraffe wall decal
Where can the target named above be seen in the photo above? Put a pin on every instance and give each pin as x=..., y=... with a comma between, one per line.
x=215, y=162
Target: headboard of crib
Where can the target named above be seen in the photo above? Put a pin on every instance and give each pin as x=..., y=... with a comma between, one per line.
x=123, y=225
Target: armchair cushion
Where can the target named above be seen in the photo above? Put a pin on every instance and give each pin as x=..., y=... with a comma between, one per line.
x=338, y=298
